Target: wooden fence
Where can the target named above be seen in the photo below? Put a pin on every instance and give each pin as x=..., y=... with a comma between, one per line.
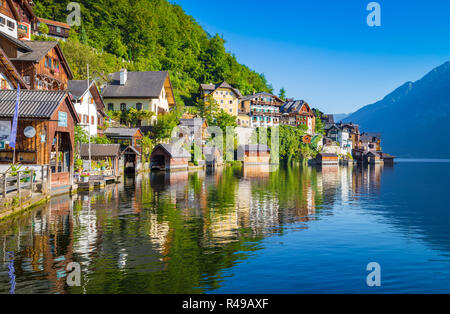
x=22, y=180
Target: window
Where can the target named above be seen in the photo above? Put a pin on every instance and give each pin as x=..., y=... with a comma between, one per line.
x=11, y=25
x=2, y=20
x=58, y=29
x=4, y=84
x=231, y=102
x=139, y=106
x=92, y=120
x=99, y=121
x=231, y=110
x=123, y=107
x=110, y=107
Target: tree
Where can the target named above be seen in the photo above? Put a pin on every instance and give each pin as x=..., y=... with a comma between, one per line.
x=320, y=126
x=81, y=135
x=282, y=93
x=162, y=130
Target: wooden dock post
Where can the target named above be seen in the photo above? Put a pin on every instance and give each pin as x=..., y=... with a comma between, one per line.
x=4, y=185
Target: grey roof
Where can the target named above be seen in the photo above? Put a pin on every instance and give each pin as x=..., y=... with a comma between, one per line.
x=138, y=85
x=256, y=147
x=125, y=132
x=224, y=84
x=174, y=152
x=78, y=87
x=18, y=43
x=192, y=122
x=39, y=50
x=328, y=155
x=259, y=94
x=100, y=150
x=33, y=103
x=133, y=149
x=292, y=106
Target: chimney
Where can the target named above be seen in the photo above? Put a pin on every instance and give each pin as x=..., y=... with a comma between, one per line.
x=123, y=76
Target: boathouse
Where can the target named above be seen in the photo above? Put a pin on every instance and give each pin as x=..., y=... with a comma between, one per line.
x=106, y=154
x=45, y=131
x=131, y=157
x=213, y=156
x=327, y=159
x=169, y=157
x=125, y=137
x=256, y=154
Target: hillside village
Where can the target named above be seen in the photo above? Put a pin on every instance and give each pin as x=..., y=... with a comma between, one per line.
x=78, y=127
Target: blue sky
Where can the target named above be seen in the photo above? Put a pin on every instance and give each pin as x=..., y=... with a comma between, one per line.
x=324, y=52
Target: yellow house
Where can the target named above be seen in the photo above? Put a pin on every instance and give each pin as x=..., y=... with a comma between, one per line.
x=224, y=94
x=244, y=120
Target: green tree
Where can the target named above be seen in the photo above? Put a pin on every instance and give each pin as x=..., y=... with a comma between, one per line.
x=282, y=93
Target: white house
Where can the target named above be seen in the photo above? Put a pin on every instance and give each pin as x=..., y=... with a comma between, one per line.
x=88, y=105
x=151, y=90
x=341, y=135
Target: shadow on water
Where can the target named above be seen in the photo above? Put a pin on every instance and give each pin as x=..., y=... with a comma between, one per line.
x=179, y=232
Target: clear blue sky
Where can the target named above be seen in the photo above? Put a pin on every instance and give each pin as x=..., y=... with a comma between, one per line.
x=322, y=51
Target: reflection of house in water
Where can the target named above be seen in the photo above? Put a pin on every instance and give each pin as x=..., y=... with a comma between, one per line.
x=367, y=178
x=45, y=249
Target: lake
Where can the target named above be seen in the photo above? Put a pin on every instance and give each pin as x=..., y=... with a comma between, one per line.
x=240, y=230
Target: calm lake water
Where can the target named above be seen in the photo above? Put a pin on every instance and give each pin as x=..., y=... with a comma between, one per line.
x=296, y=230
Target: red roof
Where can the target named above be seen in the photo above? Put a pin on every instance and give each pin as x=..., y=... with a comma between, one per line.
x=54, y=23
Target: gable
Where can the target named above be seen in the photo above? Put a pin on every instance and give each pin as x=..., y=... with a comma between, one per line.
x=7, y=8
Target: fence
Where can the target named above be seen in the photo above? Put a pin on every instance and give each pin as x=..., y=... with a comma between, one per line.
x=35, y=179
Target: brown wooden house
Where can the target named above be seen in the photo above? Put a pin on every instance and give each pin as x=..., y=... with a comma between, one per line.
x=44, y=67
x=57, y=30
x=45, y=132
x=9, y=77
x=17, y=18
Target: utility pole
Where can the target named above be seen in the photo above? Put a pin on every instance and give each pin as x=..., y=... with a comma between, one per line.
x=89, y=119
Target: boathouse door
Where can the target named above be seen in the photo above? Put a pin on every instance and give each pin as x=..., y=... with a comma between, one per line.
x=60, y=159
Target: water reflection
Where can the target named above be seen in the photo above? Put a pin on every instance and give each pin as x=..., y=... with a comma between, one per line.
x=171, y=233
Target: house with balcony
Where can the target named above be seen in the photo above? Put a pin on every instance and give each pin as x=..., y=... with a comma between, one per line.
x=17, y=18
x=57, y=30
x=341, y=135
x=9, y=77
x=151, y=90
x=296, y=113
x=89, y=106
x=226, y=96
x=263, y=109
x=42, y=65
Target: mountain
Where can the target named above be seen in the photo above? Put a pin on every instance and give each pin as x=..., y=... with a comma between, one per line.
x=340, y=116
x=414, y=119
x=149, y=35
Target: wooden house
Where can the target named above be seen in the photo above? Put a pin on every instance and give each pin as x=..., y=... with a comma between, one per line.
x=44, y=66
x=17, y=18
x=213, y=156
x=57, y=30
x=9, y=77
x=108, y=153
x=45, y=132
x=296, y=113
x=169, y=157
x=256, y=154
x=125, y=137
x=327, y=159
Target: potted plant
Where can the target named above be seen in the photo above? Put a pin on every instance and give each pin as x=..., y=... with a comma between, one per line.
x=85, y=177
x=79, y=165
x=102, y=165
